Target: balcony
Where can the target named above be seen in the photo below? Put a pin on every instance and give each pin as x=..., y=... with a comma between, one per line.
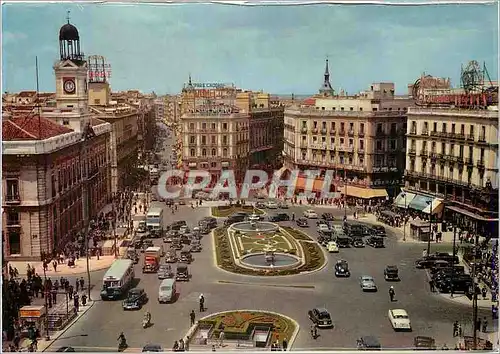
x=480, y=163
x=468, y=161
x=412, y=151
x=361, y=151
x=456, y=136
x=425, y=132
x=12, y=198
x=412, y=132
x=469, y=137
x=346, y=148
x=361, y=133
x=350, y=132
x=304, y=144
x=323, y=131
x=424, y=153
x=303, y=130
x=321, y=146
x=13, y=222
x=342, y=132
x=333, y=132
x=314, y=130
x=434, y=156
x=482, y=138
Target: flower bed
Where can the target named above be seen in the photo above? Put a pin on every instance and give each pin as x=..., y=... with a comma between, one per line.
x=239, y=325
x=314, y=258
x=226, y=210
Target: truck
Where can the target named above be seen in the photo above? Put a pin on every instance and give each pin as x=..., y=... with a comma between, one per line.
x=154, y=221
x=152, y=257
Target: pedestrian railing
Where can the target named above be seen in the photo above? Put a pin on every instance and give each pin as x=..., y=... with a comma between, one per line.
x=59, y=321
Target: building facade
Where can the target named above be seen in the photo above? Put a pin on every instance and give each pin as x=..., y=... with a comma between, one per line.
x=55, y=164
x=227, y=128
x=361, y=138
x=452, y=155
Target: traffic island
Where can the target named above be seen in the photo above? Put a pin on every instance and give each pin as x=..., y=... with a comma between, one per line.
x=223, y=211
x=275, y=252
x=243, y=329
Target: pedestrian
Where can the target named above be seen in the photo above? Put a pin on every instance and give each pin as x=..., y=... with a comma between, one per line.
x=84, y=300
x=221, y=339
x=181, y=345
x=77, y=285
x=431, y=285
x=76, y=302
x=82, y=283
x=17, y=340
x=484, y=292
x=70, y=293
x=485, y=325
x=284, y=344
x=455, y=328
x=478, y=325
x=192, y=316
x=54, y=264
x=202, y=303
x=186, y=343
x=54, y=296
x=459, y=330
x=392, y=293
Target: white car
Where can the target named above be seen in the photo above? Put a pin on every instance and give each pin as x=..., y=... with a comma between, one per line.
x=323, y=228
x=400, y=320
x=310, y=214
x=254, y=217
x=271, y=205
x=332, y=247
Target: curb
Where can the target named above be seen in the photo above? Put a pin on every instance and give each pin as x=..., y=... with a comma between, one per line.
x=193, y=328
x=54, y=339
x=230, y=282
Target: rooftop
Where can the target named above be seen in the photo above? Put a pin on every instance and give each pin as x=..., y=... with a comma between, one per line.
x=31, y=128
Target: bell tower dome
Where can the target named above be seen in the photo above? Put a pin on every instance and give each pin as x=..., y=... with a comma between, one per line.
x=71, y=70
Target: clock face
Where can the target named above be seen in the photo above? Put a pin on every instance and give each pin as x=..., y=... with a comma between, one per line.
x=69, y=86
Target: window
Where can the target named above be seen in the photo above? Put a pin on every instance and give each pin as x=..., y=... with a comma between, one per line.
x=323, y=125
x=214, y=126
x=332, y=126
x=203, y=126
x=214, y=152
x=393, y=144
x=224, y=152
x=204, y=152
x=433, y=148
x=191, y=126
x=361, y=144
x=351, y=142
x=379, y=145
x=361, y=109
x=453, y=128
x=332, y=141
x=394, y=126
x=224, y=140
x=443, y=148
x=362, y=128
x=192, y=153
x=203, y=140
x=213, y=164
x=12, y=189
x=443, y=129
x=472, y=130
x=65, y=122
x=342, y=126
x=351, y=126
x=315, y=125
x=341, y=108
x=471, y=152
x=462, y=129
x=341, y=141
x=461, y=151
x=379, y=128
x=435, y=127
x=12, y=218
x=452, y=149
x=304, y=124
x=192, y=139
x=14, y=242
x=426, y=128
x=362, y=160
x=351, y=109
x=375, y=109
x=224, y=126
x=213, y=138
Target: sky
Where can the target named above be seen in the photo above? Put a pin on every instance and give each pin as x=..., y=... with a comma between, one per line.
x=278, y=49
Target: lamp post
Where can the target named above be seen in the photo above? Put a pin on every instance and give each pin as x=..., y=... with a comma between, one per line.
x=429, y=203
x=454, y=255
x=404, y=220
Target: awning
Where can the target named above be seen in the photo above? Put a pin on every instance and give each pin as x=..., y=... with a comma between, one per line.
x=404, y=199
x=437, y=206
x=420, y=202
x=469, y=214
x=317, y=185
x=364, y=193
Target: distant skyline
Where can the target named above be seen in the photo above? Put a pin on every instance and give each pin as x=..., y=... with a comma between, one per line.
x=281, y=50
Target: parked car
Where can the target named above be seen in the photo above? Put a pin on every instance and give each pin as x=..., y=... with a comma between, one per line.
x=283, y=205
x=367, y=283
x=343, y=241
x=375, y=242
x=400, y=320
x=302, y=222
x=205, y=230
x=310, y=214
x=260, y=205
x=357, y=242
x=342, y=269
x=327, y=217
x=322, y=227
x=379, y=230
x=320, y=317
x=135, y=299
x=208, y=220
x=391, y=273
x=279, y=217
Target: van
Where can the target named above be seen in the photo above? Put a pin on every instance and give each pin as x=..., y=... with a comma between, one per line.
x=167, y=290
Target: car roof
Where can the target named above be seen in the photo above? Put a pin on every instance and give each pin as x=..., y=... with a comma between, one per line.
x=321, y=310
x=136, y=290
x=181, y=266
x=399, y=312
x=367, y=277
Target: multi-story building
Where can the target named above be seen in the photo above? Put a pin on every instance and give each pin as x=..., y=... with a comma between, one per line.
x=226, y=128
x=172, y=109
x=360, y=137
x=452, y=161
x=159, y=107
x=55, y=165
x=125, y=121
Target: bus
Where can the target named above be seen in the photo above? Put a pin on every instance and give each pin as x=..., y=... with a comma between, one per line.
x=118, y=279
x=154, y=221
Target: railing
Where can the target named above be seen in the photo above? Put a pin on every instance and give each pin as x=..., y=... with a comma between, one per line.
x=431, y=176
x=468, y=160
x=424, y=153
x=469, y=137
x=345, y=148
x=323, y=131
x=304, y=144
x=314, y=130
x=318, y=112
x=480, y=163
x=13, y=222
x=350, y=132
x=433, y=156
x=425, y=132
x=333, y=132
x=12, y=198
x=393, y=133
x=412, y=132
x=482, y=138
x=361, y=151
x=412, y=151
x=458, y=136
x=321, y=146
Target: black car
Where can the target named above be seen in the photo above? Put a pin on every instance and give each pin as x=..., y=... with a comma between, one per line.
x=135, y=299
x=357, y=242
x=146, y=244
x=391, y=273
x=155, y=348
x=320, y=317
x=302, y=222
x=182, y=273
x=138, y=244
x=234, y=219
x=210, y=221
x=343, y=241
x=327, y=217
x=342, y=269
x=375, y=242
x=279, y=217
x=169, y=202
x=66, y=350
x=379, y=230
x=176, y=225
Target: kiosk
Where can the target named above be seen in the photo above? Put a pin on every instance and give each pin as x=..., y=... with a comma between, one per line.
x=32, y=318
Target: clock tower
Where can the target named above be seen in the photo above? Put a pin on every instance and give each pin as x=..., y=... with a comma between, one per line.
x=71, y=70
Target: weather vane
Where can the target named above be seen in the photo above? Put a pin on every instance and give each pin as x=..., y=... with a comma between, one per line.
x=67, y=16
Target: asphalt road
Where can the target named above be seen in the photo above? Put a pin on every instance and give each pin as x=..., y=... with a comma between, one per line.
x=354, y=313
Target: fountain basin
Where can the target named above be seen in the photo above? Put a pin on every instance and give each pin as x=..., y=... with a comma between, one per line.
x=281, y=261
x=257, y=226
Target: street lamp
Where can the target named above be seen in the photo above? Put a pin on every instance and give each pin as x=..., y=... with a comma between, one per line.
x=404, y=218
x=429, y=203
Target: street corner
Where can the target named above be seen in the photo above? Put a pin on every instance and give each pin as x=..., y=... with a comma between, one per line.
x=80, y=267
x=463, y=300
x=46, y=345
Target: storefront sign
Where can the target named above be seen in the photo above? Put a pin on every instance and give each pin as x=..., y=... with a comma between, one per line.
x=26, y=313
